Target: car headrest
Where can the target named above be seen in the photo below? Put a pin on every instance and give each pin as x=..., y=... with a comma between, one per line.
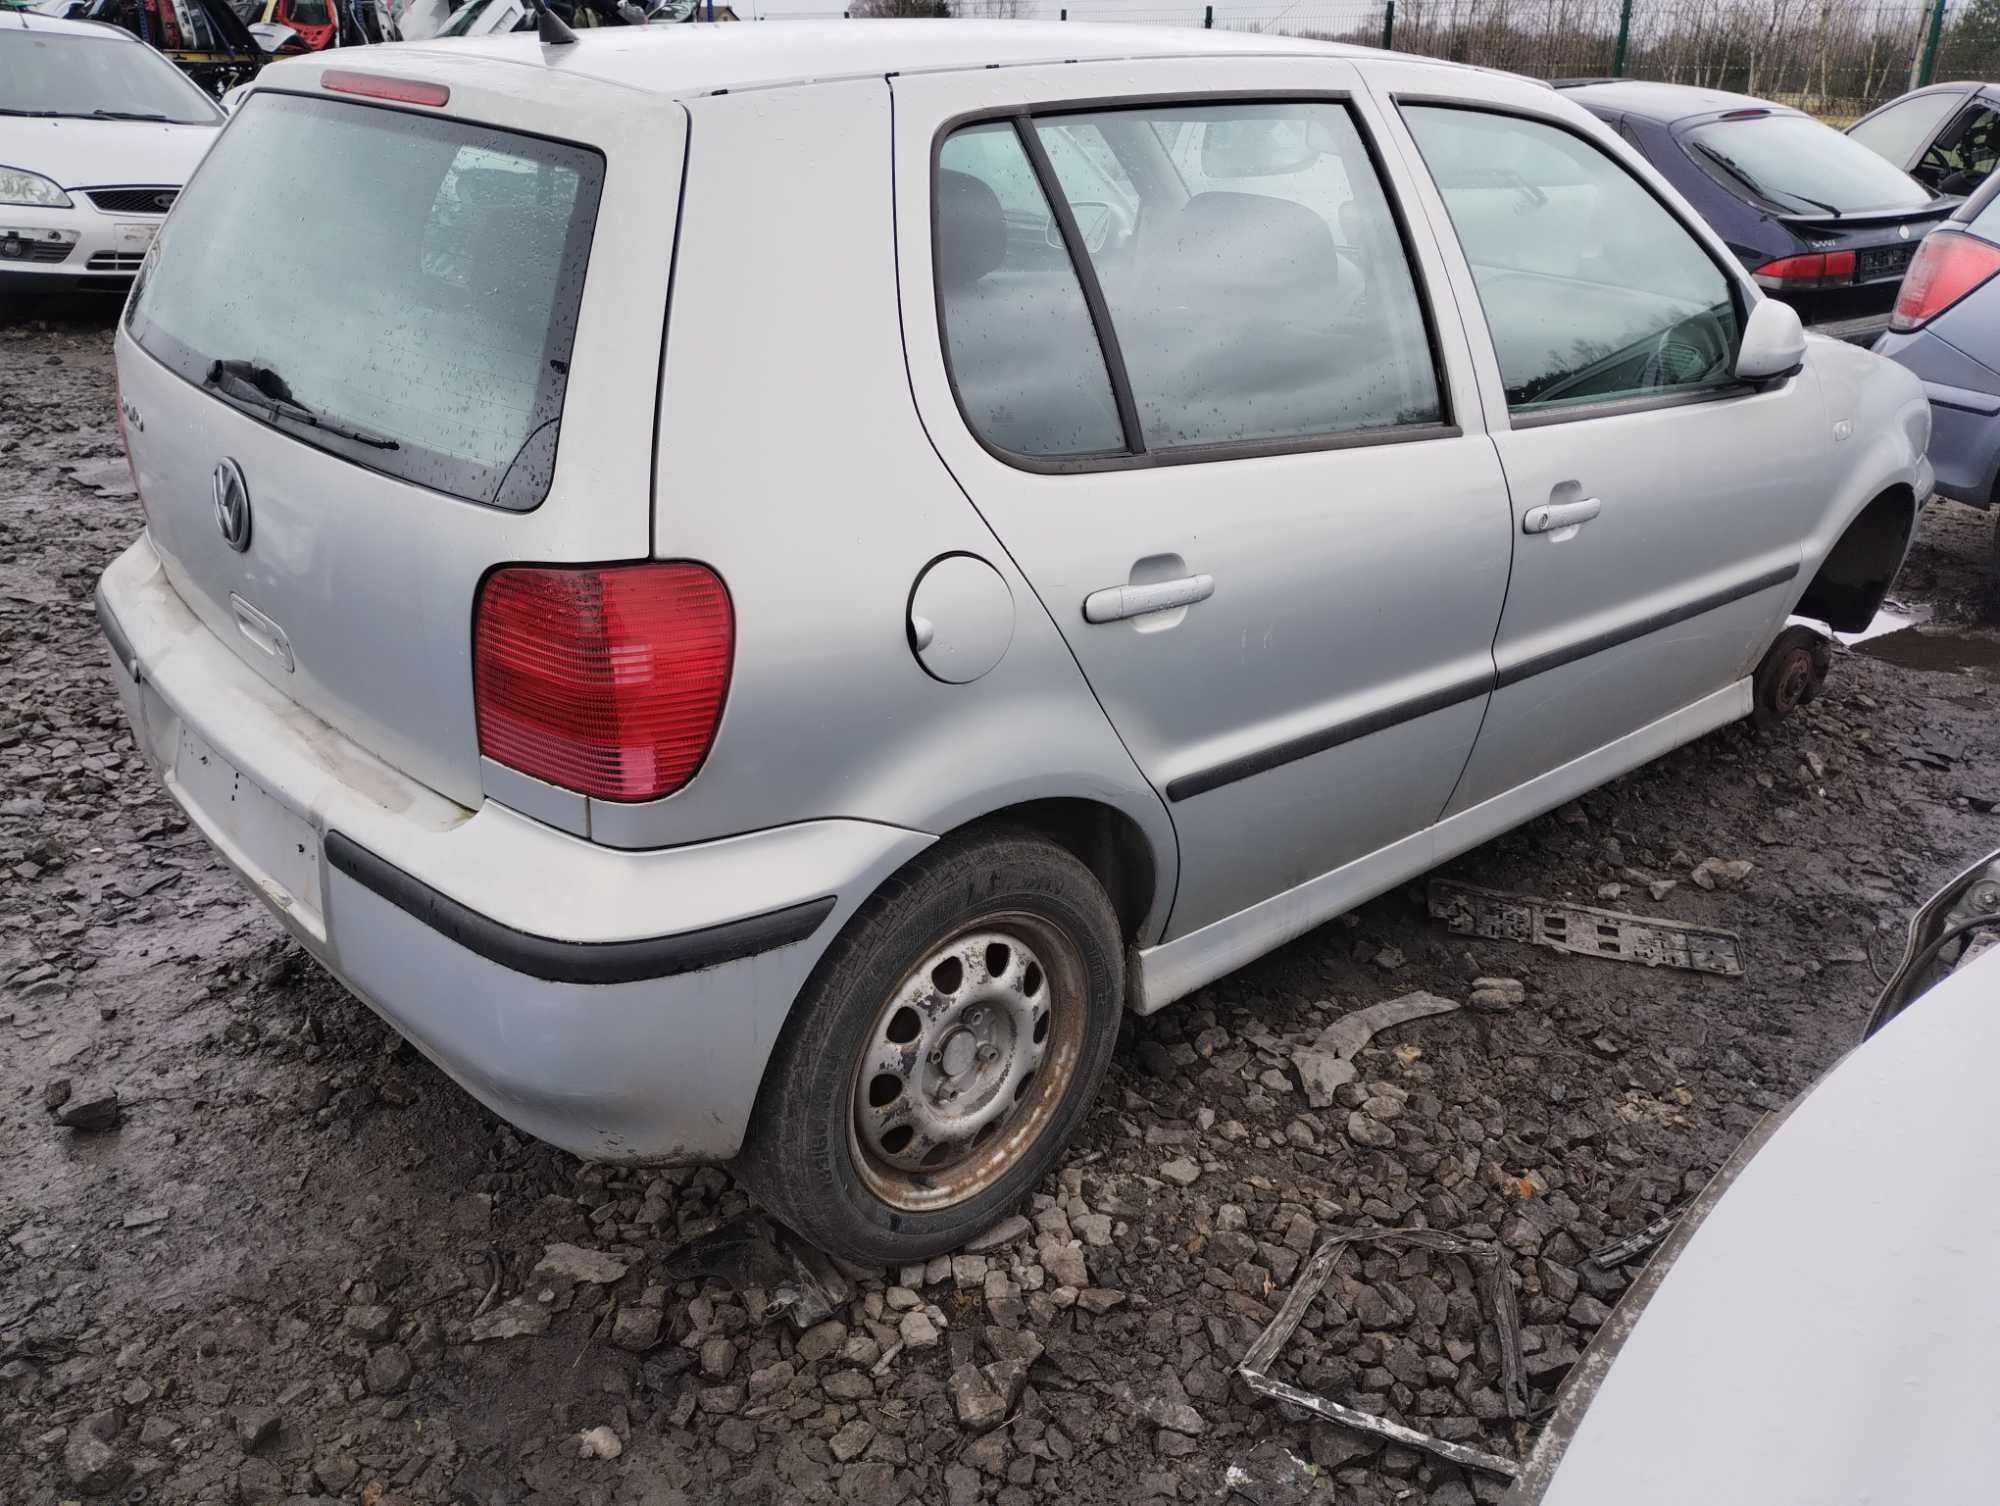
x=972, y=232
x=1253, y=242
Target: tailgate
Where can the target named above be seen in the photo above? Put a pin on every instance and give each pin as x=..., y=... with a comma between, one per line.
x=379, y=351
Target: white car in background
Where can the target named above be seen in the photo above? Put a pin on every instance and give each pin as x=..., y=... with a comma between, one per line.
x=98, y=133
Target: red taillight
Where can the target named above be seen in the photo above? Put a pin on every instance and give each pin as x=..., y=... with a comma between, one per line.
x=608, y=680
x=1817, y=269
x=404, y=91
x=1948, y=265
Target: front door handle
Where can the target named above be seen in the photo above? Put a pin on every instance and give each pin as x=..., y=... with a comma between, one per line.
x=1116, y=603
x=1553, y=515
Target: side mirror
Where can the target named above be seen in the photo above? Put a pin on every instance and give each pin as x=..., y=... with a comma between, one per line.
x=1774, y=342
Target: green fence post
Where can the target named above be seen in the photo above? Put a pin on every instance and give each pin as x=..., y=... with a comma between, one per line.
x=1388, y=23
x=1624, y=36
x=1928, y=66
x=1208, y=18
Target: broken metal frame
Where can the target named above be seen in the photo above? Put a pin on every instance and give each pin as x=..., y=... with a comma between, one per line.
x=1256, y=1362
x=1585, y=930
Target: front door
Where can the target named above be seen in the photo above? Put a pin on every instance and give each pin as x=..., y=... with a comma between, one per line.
x=1186, y=360
x=1657, y=531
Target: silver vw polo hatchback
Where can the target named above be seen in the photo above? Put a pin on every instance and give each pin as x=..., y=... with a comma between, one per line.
x=783, y=576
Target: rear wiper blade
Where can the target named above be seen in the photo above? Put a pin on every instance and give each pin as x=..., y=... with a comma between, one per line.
x=38, y=114
x=1741, y=174
x=247, y=382
x=126, y=115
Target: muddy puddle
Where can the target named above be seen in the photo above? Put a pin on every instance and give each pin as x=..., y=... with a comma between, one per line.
x=1963, y=650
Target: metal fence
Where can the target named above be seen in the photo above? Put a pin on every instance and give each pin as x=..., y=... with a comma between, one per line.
x=1837, y=58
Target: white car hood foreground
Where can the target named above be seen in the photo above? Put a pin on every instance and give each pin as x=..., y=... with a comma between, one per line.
x=98, y=153
x=1828, y=1334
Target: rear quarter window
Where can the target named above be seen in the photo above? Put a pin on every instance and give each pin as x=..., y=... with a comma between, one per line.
x=410, y=281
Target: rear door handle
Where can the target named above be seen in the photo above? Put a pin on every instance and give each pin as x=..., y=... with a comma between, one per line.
x=1115, y=603
x=1553, y=515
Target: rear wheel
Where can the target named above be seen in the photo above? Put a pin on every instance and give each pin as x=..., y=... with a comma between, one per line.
x=1790, y=674
x=943, y=1052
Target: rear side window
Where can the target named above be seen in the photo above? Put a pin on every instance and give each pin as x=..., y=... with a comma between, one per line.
x=1029, y=372
x=1592, y=290
x=1248, y=272
x=1896, y=131
x=427, y=273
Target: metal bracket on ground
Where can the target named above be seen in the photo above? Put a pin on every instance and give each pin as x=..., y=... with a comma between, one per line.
x=1257, y=1361
x=1585, y=930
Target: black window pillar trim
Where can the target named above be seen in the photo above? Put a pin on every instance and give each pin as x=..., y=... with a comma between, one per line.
x=589, y=962
x=1086, y=276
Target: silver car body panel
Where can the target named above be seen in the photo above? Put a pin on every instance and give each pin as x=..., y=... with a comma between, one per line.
x=808, y=449
x=1964, y=392
x=1212, y=701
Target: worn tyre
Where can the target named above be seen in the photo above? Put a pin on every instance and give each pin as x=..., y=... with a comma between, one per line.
x=942, y=1052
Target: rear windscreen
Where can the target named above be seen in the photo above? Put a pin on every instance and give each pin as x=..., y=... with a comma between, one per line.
x=397, y=289
x=1803, y=167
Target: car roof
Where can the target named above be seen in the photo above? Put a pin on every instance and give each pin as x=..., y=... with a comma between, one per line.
x=1664, y=103
x=35, y=21
x=689, y=60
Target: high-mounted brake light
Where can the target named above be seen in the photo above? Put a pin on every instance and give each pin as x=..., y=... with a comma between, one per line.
x=1817, y=269
x=608, y=680
x=1744, y=114
x=403, y=91
x=1948, y=265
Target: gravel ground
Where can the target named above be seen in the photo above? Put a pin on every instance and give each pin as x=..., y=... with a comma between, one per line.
x=303, y=1264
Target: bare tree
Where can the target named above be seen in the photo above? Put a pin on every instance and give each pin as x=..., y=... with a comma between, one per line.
x=878, y=8
x=992, y=10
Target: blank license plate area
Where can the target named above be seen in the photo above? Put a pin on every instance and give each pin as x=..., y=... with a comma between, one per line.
x=1882, y=261
x=279, y=851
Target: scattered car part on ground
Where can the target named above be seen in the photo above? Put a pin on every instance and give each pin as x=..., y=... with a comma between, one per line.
x=1803, y=1285
x=882, y=968
x=1820, y=221
x=1635, y=1244
x=1946, y=329
x=1255, y=1367
x=1650, y=940
x=1946, y=136
x=97, y=136
x=1328, y=1062
x=772, y=1272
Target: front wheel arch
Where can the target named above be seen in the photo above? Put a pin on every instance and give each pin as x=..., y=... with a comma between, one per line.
x=1858, y=571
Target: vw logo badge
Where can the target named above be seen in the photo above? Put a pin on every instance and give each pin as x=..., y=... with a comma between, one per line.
x=163, y=202
x=232, y=505
x=1903, y=231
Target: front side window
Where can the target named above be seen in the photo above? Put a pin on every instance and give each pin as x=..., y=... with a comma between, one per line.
x=446, y=261
x=1592, y=291
x=1252, y=276
x=1965, y=155
x=1896, y=131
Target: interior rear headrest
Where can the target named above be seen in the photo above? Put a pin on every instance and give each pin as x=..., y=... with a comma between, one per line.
x=972, y=232
x=1254, y=241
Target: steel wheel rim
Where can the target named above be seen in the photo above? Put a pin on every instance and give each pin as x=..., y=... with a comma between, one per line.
x=967, y=1061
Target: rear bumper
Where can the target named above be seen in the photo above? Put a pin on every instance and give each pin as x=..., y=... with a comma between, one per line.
x=1965, y=442
x=618, y=1004
x=1860, y=331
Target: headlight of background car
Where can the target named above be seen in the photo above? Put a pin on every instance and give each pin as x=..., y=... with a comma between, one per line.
x=18, y=186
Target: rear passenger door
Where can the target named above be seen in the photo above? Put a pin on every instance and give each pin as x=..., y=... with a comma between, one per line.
x=1197, y=384
x=1660, y=504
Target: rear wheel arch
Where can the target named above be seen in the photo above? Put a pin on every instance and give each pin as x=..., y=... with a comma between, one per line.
x=1861, y=566
x=1103, y=838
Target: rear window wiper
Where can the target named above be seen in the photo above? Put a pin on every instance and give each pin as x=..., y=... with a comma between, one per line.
x=260, y=386
x=38, y=114
x=128, y=115
x=1742, y=175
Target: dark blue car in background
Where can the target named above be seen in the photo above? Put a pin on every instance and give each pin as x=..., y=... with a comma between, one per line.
x=1819, y=220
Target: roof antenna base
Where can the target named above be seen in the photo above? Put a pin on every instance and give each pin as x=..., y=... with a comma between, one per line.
x=550, y=29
